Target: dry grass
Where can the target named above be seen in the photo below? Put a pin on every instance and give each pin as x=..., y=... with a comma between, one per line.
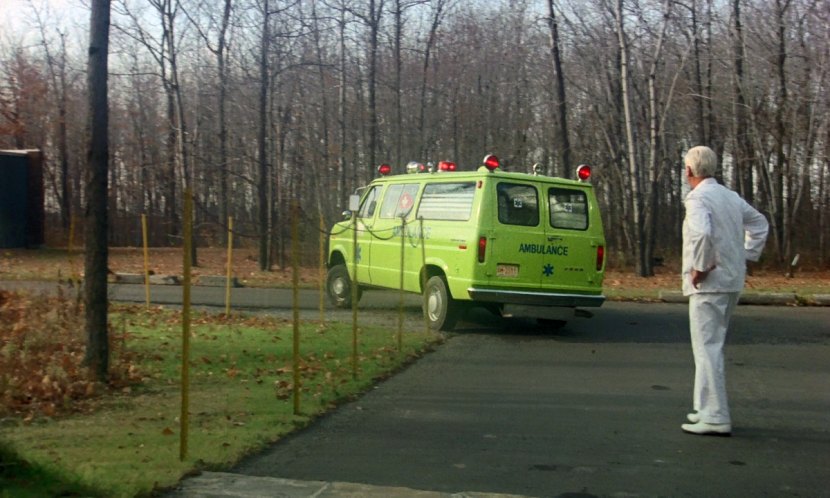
x=53, y=264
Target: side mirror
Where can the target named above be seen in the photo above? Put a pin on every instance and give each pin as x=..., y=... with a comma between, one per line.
x=354, y=203
x=347, y=215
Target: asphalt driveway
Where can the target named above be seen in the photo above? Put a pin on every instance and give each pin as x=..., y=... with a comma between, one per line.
x=594, y=410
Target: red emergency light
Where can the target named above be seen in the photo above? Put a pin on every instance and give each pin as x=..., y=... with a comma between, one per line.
x=491, y=162
x=415, y=167
x=384, y=169
x=446, y=166
x=583, y=172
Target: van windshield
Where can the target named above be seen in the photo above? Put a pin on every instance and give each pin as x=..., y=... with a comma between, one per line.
x=399, y=200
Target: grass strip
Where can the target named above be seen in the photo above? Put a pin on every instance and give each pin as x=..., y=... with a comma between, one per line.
x=240, y=402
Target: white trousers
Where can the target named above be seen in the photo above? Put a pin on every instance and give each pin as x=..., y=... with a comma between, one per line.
x=709, y=316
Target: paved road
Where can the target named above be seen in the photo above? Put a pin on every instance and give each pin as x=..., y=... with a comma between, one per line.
x=592, y=410
x=243, y=298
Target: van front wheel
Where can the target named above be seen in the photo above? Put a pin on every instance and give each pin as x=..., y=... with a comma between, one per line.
x=339, y=287
x=440, y=308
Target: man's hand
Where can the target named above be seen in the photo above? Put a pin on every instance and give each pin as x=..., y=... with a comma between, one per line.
x=699, y=276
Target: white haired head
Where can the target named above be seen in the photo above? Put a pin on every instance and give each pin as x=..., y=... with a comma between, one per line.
x=702, y=161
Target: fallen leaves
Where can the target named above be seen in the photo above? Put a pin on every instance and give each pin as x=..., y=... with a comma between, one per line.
x=42, y=350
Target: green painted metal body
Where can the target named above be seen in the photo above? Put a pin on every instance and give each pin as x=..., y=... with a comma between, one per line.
x=541, y=237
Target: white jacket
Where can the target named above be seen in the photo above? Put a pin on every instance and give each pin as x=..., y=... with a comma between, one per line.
x=720, y=232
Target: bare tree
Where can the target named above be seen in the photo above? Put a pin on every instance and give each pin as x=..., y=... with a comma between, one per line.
x=96, y=220
x=439, y=8
x=645, y=264
x=220, y=49
x=742, y=147
x=635, y=179
x=561, y=100
x=398, y=12
x=593, y=84
x=56, y=65
x=262, y=140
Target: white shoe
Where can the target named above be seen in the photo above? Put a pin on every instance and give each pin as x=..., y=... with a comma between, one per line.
x=704, y=429
x=693, y=417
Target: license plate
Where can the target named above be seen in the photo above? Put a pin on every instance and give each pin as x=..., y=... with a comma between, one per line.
x=507, y=270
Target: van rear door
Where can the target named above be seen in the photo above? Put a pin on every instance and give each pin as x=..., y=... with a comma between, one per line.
x=571, y=242
x=517, y=242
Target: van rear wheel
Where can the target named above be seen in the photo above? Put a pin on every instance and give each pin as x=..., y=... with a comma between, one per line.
x=339, y=287
x=440, y=308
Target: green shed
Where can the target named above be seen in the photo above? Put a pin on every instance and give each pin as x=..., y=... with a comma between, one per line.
x=21, y=198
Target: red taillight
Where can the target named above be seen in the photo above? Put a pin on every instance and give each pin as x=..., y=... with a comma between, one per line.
x=583, y=172
x=482, y=248
x=384, y=169
x=491, y=162
x=446, y=166
x=600, y=257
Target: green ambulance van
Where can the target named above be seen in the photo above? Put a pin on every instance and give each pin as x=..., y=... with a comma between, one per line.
x=523, y=245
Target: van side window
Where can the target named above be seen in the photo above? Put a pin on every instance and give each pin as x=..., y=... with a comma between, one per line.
x=518, y=204
x=370, y=202
x=568, y=209
x=447, y=201
x=399, y=200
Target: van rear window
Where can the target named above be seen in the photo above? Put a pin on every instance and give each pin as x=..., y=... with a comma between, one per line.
x=568, y=208
x=518, y=204
x=447, y=201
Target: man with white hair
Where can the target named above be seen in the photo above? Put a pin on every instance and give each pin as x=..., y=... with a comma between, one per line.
x=720, y=232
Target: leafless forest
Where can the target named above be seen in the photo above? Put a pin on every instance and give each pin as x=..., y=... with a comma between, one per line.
x=256, y=103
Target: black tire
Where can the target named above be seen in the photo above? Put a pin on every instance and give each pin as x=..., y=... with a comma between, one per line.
x=339, y=287
x=440, y=309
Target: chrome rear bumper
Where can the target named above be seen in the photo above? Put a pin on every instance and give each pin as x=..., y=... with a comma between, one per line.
x=535, y=298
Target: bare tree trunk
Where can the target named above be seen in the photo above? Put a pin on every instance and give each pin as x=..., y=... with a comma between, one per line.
x=823, y=201
x=224, y=201
x=320, y=172
x=437, y=15
x=714, y=138
x=702, y=139
x=561, y=102
x=650, y=218
x=634, y=171
x=57, y=74
x=798, y=179
x=63, y=146
x=263, y=177
x=182, y=158
x=780, y=176
x=341, y=111
x=742, y=172
x=398, y=69
x=375, y=14
x=96, y=221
